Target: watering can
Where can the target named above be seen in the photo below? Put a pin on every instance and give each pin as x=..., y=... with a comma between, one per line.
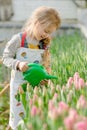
x=36, y=73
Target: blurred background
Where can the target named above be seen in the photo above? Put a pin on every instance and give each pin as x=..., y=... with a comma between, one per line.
x=13, y=13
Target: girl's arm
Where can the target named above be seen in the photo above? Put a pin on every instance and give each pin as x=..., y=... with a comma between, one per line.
x=10, y=52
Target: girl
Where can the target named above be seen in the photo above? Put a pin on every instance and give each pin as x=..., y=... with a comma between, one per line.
x=27, y=47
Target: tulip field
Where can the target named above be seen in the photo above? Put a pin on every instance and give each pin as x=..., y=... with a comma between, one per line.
x=62, y=104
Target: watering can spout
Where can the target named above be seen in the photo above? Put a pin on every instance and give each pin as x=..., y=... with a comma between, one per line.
x=51, y=77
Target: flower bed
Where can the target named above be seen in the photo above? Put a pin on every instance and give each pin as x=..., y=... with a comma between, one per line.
x=62, y=105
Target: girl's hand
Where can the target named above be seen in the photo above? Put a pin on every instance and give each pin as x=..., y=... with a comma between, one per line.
x=22, y=66
x=44, y=82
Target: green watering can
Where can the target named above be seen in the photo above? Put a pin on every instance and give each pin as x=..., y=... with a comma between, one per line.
x=36, y=73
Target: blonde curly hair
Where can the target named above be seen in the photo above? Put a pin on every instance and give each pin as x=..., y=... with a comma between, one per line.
x=46, y=16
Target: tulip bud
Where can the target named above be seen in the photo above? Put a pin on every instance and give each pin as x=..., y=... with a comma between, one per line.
x=36, y=91
x=44, y=91
x=69, y=96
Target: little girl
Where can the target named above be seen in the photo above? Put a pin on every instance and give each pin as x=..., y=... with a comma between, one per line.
x=28, y=47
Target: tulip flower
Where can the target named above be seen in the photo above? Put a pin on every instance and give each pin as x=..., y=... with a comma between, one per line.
x=68, y=123
x=81, y=103
x=70, y=82
x=81, y=125
x=34, y=111
x=81, y=83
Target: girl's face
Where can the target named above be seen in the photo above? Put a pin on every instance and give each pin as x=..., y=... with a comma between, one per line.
x=41, y=33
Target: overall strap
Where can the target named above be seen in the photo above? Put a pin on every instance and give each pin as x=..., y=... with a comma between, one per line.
x=23, y=39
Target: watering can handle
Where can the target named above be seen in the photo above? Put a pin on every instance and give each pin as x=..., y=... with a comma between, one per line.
x=35, y=64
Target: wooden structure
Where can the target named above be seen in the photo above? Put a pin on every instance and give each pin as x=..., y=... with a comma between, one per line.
x=6, y=10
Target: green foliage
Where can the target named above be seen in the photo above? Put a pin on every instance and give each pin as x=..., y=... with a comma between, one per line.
x=69, y=55
x=4, y=110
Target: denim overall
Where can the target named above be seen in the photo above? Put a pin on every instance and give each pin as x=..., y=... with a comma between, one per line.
x=23, y=54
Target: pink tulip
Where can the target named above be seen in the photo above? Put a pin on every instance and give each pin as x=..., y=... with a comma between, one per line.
x=35, y=98
x=53, y=114
x=34, y=111
x=55, y=97
x=64, y=88
x=71, y=119
x=82, y=125
x=40, y=102
x=50, y=83
x=82, y=103
x=63, y=106
x=51, y=105
x=44, y=91
x=76, y=80
x=76, y=76
x=73, y=114
x=70, y=81
x=69, y=96
x=76, y=83
x=31, y=102
x=81, y=83
x=36, y=91
x=68, y=123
